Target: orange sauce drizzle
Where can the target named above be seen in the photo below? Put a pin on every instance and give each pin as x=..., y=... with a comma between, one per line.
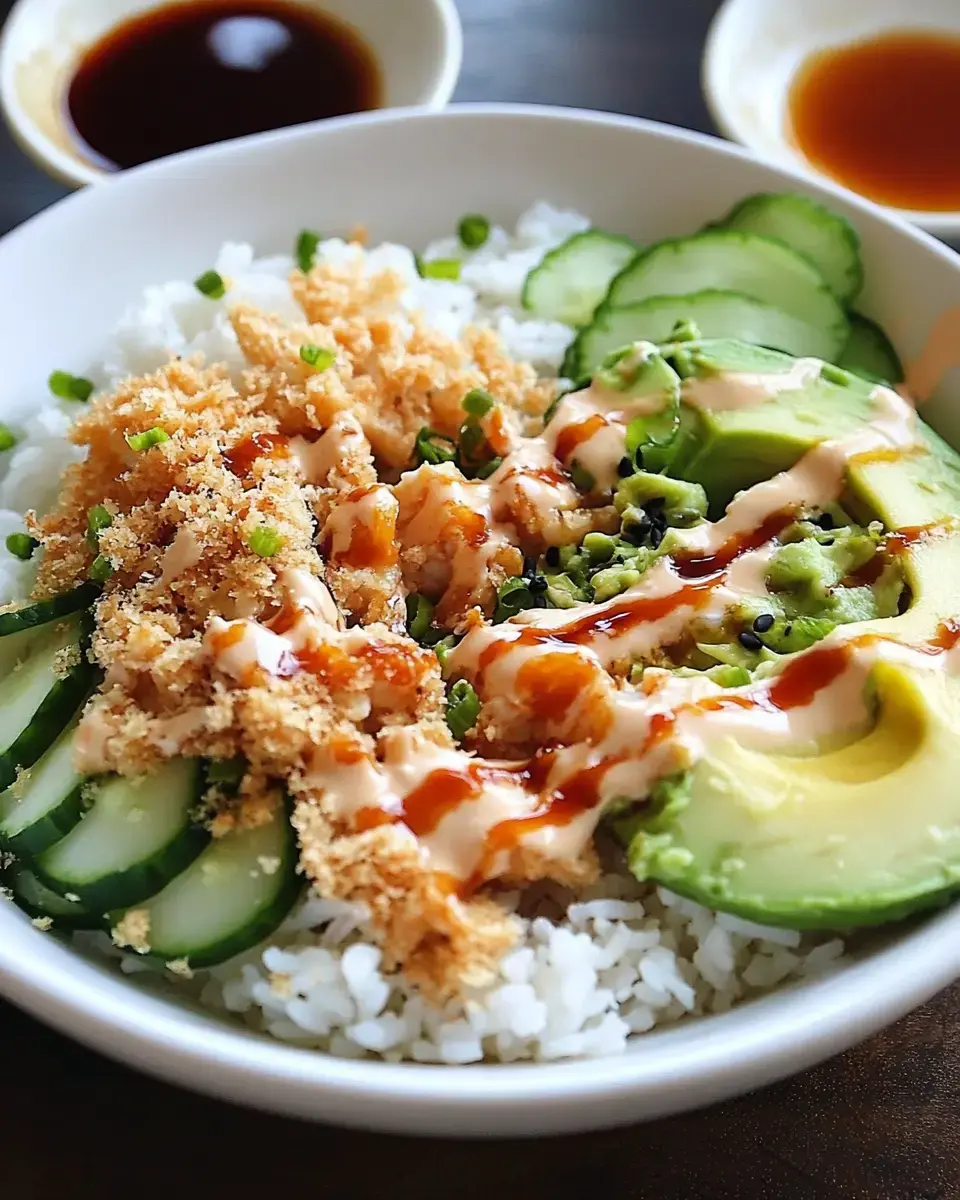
x=241, y=457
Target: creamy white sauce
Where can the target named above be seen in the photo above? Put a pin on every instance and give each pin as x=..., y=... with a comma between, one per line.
x=237, y=648
x=342, y=442
x=360, y=507
x=183, y=553
x=742, y=389
x=310, y=596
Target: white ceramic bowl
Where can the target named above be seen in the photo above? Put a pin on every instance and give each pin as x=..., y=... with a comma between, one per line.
x=418, y=44
x=66, y=277
x=754, y=48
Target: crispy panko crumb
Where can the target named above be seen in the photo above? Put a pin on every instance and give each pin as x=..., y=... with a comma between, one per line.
x=133, y=931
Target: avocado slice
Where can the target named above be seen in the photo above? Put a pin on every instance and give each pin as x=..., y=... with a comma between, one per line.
x=865, y=832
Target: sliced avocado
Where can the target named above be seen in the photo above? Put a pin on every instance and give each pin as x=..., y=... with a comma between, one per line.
x=855, y=835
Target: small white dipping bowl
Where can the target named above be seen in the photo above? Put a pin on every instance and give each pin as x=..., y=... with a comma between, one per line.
x=66, y=278
x=755, y=47
x=417, y=43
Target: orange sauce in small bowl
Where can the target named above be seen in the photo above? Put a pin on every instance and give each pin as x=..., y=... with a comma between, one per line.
x=882, y=117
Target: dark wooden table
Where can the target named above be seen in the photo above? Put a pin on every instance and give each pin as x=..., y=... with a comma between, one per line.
x=879, y=1123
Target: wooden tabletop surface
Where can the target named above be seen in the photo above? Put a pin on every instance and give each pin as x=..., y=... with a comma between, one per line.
x=881, y=1122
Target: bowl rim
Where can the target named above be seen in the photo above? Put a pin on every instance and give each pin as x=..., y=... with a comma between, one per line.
x=74, y=171
x=167, y=1040
x=724, y=116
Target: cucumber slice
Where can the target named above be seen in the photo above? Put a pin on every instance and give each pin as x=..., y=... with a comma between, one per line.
x=46, y=801
x=830, y=242
x=36, y=900
x=44, y=611
x=572, y=279
x=236, y=894
x=738, y=262
x=717, y=314
x=137, y=835
x=869, y=353
x=37, y=702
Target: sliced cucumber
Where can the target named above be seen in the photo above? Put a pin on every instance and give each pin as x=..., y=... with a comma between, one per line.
x=37, y=701
x=44, y=611
x=236, y=893
x=38, y=901
x=45, y=802
x=717, y=314
x=137, y=835
x=869, y=353
x=740, y=262
x=571, y=280
x=830, y=242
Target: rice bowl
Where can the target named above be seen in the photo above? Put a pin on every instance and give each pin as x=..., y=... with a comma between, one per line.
x=726, y=942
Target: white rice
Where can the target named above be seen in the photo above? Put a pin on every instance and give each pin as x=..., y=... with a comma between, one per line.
x=589, y=973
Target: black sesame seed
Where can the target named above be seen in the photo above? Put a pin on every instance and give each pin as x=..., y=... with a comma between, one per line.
x=825, y=521
x=537, y=584
x=656, y=537
x=529, y=568
x=636, y=535
x=750, y=641
x=540, y=601
x=654, y=505
x=763, y=622
x=624, y=467
x=552, y=556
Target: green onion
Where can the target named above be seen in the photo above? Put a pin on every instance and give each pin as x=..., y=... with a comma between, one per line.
x=472, y=441
x=317, y=356
x=70, y=387
x=7, y=439
x=432, y=447
x=210, y=284
x=227, y=772
x=463, y=709
x=488, y=468
x=438, y=268
x=442, y=650
x=513, y=596
x=98, y=518
x=265, y=541
x=21, y=545
x=473, y=230
x=477, y=402
x=306, y=249
x=143, y=441
x=419, y=616
x=101, y=568
x=583, y=481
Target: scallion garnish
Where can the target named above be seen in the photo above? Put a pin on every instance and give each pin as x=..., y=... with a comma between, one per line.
x=210, y=284
x=513, y=596
x=488, y=468
x=419, y=616
x=101, y=568
x=583, y=481
x=70, y=387
x=7, y=439
x=477, y=402
x=98, y=518
x=306, y=249
x=265, y=541
x=317, y=356
x=432, y=447
x=473, y=230
x=463, y=709
x=21, y=545
x=439, y=268
x=150, y=437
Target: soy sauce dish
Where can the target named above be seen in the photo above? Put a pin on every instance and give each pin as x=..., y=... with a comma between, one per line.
x=468, y=671
x=91, y=89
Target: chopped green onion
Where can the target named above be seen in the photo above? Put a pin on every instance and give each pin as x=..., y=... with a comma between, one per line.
x=439, y=268
x=265, y=541
x=513, y=596
x=583, y=481
x=419, y=616
x=143, y=441
x=317, y=357
x=7, y=439
x=101, y=568
x=477, y=402
x=463, y=709
x=473, y=230
x=21, y=545
x=472, y=441
x=488, y=468
x=98, y=518
x=70, y=387
x=442, y=650
x=210, y=284
x=432, y=447
x=306, y=249
x=227, y=772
